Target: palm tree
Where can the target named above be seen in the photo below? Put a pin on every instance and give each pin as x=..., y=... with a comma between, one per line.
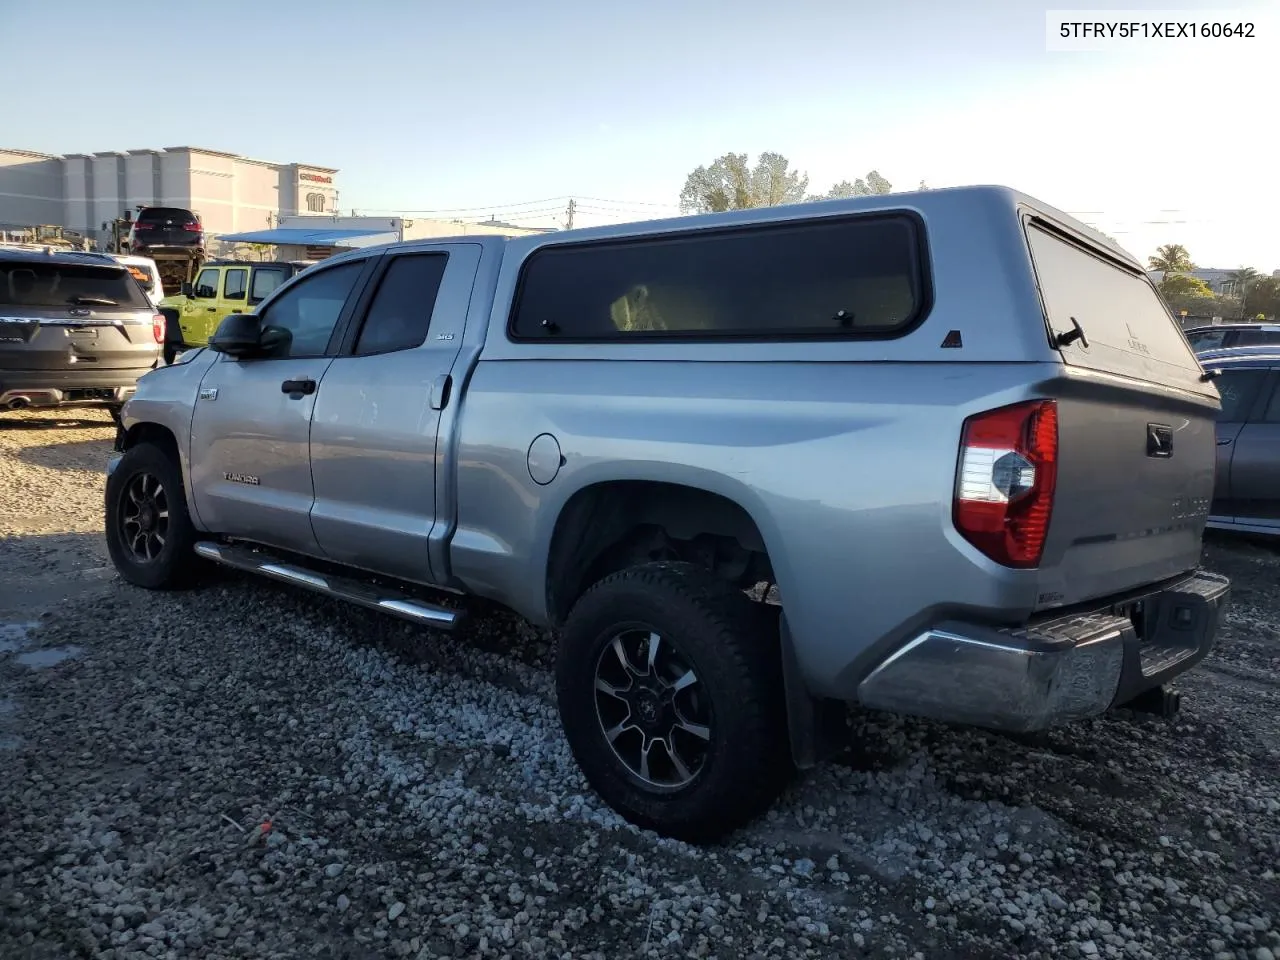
x=1241, y=281
x=1171, y=258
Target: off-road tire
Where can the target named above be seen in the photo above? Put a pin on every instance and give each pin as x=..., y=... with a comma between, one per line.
x=176, y=564
x=732, y=646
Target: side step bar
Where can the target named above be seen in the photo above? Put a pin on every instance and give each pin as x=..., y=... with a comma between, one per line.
x=344, y=588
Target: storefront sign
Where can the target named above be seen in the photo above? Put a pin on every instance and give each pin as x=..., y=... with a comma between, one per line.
x=315, y=177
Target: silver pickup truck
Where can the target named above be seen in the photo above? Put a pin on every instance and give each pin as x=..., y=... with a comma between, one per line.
x=942, y=453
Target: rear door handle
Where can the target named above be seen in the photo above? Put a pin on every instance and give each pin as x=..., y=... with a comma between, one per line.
x=298, y=388
x=1224, y=441
x=212, y=309
x=440, y=391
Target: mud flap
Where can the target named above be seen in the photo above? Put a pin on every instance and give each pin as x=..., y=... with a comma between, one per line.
x=814, y=726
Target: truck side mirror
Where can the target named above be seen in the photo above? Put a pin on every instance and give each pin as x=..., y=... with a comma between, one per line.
x=187, y=289
x=237, y=336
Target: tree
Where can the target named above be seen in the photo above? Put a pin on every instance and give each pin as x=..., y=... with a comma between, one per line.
x=1183, y=292
x=1180, y=286
x=1242, y=280
x=873, y=185
x=1263, y=297
x=730, y=183
x=1171, y=258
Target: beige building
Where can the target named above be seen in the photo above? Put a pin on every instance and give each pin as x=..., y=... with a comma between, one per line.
x=231, y=193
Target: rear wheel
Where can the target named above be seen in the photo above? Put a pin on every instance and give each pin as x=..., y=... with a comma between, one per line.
x=667, y=684
x=149, y=532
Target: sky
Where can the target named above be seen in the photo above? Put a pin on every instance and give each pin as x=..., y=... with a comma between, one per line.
x=507, y=108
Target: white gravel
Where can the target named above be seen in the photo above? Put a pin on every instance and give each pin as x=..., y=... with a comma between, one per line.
x=246, y=771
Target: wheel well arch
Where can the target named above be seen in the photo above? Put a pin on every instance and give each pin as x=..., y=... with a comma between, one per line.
x=609, y=525
x=151, y=433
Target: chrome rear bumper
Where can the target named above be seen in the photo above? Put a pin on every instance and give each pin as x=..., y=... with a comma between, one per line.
x=1055, y=670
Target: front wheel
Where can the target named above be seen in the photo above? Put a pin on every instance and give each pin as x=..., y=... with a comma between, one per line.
x=667, y=684
x=149, y=532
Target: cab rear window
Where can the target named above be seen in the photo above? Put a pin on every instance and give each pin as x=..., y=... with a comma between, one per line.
x=36, y=284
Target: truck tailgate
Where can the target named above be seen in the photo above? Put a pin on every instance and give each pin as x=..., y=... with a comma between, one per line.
x=1136, y=441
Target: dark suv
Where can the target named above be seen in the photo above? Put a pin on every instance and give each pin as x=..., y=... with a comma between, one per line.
x=74, y=331
x=161, y=228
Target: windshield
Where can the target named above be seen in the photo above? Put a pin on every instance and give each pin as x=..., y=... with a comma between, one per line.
x=52, y=284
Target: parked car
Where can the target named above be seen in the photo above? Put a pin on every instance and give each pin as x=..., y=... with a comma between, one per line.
x=1226, y=335
x=220, y=288
x=957, y=430
x=158, y=229
x=75, y=330
x=1246, y=495
x=144, y=270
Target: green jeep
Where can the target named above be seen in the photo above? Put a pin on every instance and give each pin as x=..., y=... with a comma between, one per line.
x=221, y=287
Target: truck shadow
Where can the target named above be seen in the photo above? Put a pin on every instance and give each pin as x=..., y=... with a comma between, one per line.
x=11, y=421
x=78, y=455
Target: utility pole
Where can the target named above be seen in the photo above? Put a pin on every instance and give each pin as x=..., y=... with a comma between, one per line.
x=568, y=214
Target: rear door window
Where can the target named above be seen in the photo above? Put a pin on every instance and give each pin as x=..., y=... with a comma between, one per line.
x=1238, y=389
x=233, y=286
x=264, y=282
x=400, y=313
x=1128, y=328
x=51, y=284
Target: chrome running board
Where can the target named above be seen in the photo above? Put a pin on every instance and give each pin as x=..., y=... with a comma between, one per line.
x=344, y=588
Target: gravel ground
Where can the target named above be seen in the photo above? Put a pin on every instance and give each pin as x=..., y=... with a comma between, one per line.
x=247, y=771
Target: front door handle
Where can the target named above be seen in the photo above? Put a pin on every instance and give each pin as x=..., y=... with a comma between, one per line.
x=1224, y=441
x=297, y=389
x=212, y=309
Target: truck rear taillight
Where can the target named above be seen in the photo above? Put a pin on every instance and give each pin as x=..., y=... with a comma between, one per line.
x=157, y=327
x=1005, y=481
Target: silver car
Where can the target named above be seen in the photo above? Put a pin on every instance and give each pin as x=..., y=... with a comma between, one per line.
x=74, y=331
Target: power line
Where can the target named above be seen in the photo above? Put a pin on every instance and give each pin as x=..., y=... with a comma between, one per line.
x=517, y=207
